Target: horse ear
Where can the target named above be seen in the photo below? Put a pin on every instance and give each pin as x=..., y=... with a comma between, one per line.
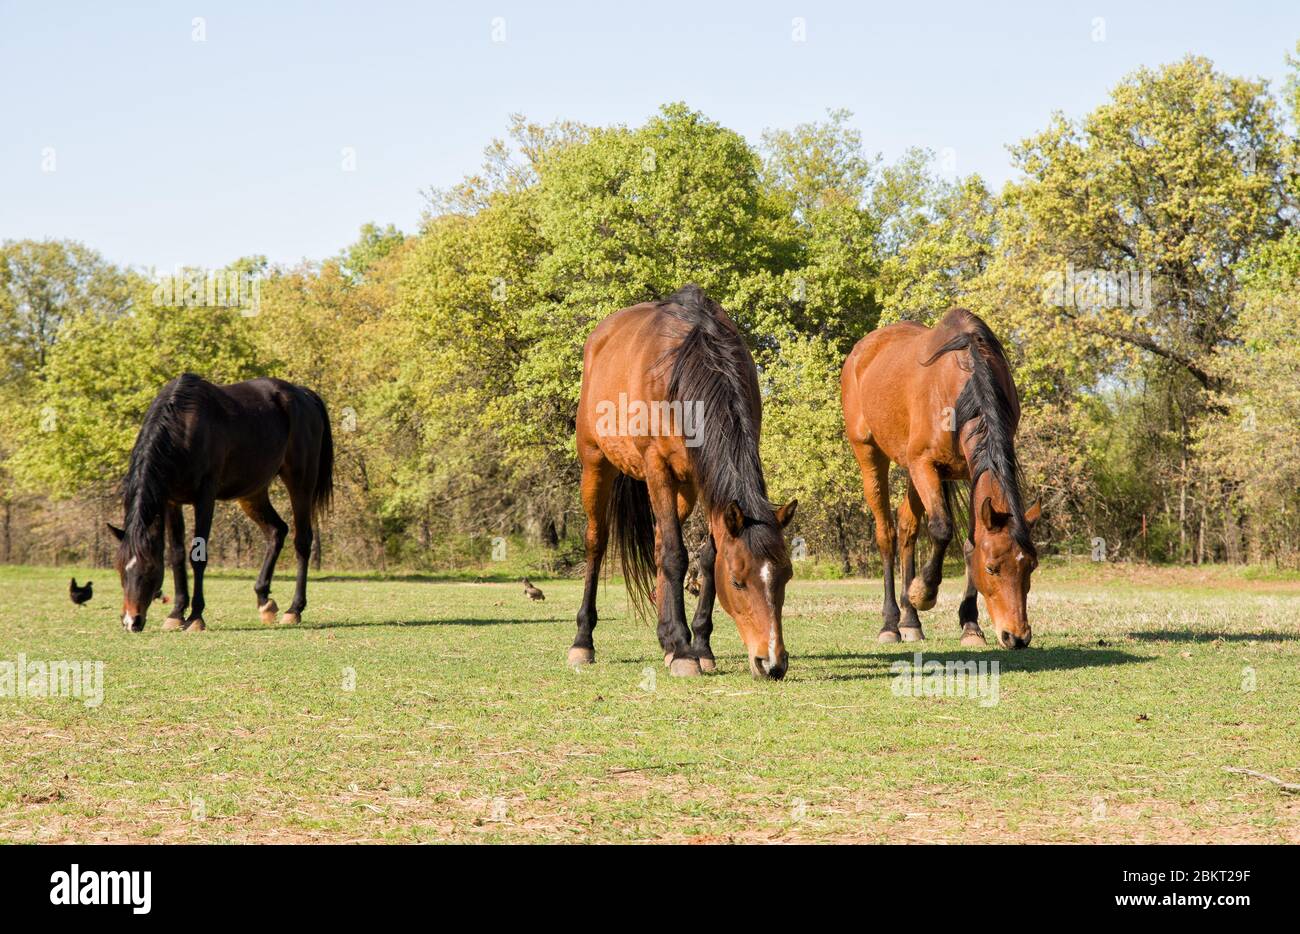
x=734, y=518
x=119, y=534
x=1034, y=513
x=990, y=518
x=785, y=514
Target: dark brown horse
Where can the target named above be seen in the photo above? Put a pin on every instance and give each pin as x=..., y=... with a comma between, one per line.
x=670, y=411
x=941, y=403
x=201, y=443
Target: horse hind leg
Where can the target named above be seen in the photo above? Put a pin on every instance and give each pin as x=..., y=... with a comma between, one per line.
x=300, y=498
x=274, y=530
x=597, y=485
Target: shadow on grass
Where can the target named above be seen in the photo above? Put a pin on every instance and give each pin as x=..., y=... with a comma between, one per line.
x=442, y=577
x=861, y=666
x=1059, y=658
x=1184, y=635
x=310, y=624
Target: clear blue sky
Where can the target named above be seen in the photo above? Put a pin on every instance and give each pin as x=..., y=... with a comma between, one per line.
x=173, y=151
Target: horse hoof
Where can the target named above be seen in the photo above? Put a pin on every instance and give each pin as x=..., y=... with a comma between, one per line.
x=911, y=633
x=580, y=656
x=917, y=596
x=290, y=619
x=172, y=624
x=269, y=609
x=196, y=625
x=684, y=667
x=887, y=635
x=707, y=664
x=973, y=638
x=668, y=659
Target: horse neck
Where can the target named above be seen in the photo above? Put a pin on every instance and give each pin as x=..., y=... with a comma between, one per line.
x=146, y=502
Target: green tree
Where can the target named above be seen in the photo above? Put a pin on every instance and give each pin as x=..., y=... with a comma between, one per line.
x=804, y=452
x=45, y=283
x=100, y=376
x=1179, y=176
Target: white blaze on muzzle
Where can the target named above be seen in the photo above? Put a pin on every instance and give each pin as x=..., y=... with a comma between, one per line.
x=766, y=575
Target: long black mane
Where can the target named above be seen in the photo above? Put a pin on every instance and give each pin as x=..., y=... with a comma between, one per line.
x=158, y=451
x=712, y=365
x=984, y=401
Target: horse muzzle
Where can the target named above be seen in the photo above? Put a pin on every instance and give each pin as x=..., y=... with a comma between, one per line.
x=1010, y=640
x=761, y=668
x=133, y=622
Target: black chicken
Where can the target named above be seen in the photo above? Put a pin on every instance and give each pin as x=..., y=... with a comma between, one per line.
x=81, y=595
x=532, y=592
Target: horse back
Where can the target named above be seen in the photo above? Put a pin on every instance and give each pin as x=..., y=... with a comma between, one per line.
x=630, y=355
x=898, y=396
x=623, y=362
x=239, y=436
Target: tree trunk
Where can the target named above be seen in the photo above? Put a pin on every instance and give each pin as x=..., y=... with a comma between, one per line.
x=1182, y=509
x=842, y=542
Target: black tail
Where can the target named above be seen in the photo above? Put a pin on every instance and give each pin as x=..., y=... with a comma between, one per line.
x=323, y=495
x=632, y=526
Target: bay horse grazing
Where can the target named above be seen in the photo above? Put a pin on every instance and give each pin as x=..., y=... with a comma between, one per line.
x=670, y=411
x=201, y=443
x=941, y=403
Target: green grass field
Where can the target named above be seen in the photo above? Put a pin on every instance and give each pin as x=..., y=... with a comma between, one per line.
x=463, y=724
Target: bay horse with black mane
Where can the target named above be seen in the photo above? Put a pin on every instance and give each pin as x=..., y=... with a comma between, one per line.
x=941, y=403
x=201, y=443
x=670, y=412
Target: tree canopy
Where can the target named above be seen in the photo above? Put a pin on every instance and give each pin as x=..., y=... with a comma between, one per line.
x=1138, y=268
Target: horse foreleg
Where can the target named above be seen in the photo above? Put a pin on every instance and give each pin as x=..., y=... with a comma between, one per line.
x=671, y=560
x=597, y=484
x=924, y=590
x=909, y=518
x=203, y=507
x=702, y=624
x=176, y=559
x=968, y=613
x=874, y=464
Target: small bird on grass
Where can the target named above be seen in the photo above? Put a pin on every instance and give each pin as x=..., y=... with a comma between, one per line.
x=532, y=592
x=81, y=595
